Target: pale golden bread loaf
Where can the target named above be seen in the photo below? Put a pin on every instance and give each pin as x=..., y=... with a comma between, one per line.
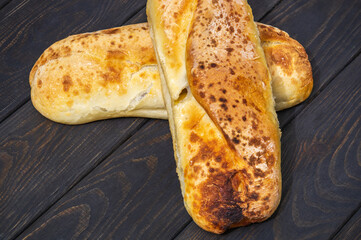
x=217, y=91
x=87, y=77
x=113, y=73
x=290, y=68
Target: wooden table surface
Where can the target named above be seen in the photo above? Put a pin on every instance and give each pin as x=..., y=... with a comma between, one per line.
x=116, y=179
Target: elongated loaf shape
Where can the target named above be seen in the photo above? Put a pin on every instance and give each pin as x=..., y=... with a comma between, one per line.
x=217, y=91
x=113, y=73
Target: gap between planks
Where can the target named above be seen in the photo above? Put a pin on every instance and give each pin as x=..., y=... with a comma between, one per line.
x=3, y=3
x=339, y=229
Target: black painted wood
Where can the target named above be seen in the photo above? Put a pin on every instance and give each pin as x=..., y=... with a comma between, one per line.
x=27, y=28
x=133, y=194
x=352, y=229
x=41, y=160
x=321, y=169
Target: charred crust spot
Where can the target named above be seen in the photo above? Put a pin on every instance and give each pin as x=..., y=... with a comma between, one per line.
x=266, y=198
x=223, y=90
x=211, y=170
x=202, y=94
x=130, y=36
x=266, y=138
x=270, y=160
x=229, y=118
x=218, y=159
x=244, y=118
x=213, y=65
x=221, y=99
x=254, y=125
x=244, y=101
x=231, y=71
x=229, y=50
x=222, y=207
x=67, y=83
x=259, y=173
x=224, y=107
x=201, y=66
x=111, y=31
x=253, y=196
x=210, y=85
x=201, y=86
x=212, y=98
x=194, y=137
x=255, y=142
x=235, y=140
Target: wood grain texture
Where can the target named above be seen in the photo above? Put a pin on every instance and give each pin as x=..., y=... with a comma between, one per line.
x=28, y=27
x=321, y=168
x=330, y=31
x=352, y=229
x=133, y=194
x=40, y=160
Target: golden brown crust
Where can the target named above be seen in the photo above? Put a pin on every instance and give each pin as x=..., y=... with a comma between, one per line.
x=289, y=66
x=224, y=183
x=92, y=76
x=228, y=76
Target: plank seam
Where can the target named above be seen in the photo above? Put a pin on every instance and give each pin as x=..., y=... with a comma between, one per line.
x=80, y=178
x=182, y=228
x=338, y=230
x=15, y=109
x=269, y=11
x=4, y=4
x=311, y=99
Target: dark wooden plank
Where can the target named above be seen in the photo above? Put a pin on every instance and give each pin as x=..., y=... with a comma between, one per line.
x=40, y=160
x=133, y=194
x=261, y=8
x=27, y=28
x=352, y=229
x=330, y=32
x=320, y=168
x=3, y=3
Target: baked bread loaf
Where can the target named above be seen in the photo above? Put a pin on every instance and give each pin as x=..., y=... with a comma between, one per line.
x=217, y=92
x=113, y=73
